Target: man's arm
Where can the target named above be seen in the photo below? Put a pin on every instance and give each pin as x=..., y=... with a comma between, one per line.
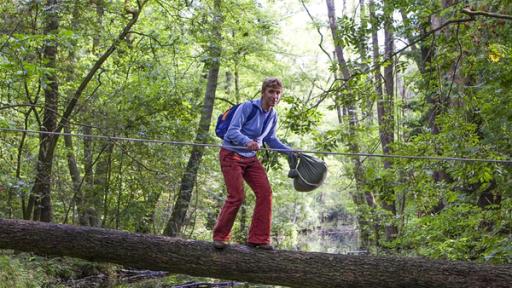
x=272, y=140
x=234, y=133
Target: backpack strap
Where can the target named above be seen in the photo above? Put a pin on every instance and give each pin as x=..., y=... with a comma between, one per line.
x=252, y=114
x=265, y=129
x=266, y=126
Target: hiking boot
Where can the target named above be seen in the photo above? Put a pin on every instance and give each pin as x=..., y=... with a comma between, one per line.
x=261, y=246
x=218, y=244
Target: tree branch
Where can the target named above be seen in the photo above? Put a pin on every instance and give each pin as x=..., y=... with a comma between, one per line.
x=225, y=100
x=473, y=13
x=151, y=37
x=6, y=106
x=72, y=103
x=317, y=29
x=9, y=36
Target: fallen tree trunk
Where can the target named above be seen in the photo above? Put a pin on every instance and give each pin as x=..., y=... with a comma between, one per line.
x=238, y=262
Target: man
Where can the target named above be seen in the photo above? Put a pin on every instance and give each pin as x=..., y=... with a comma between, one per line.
x=238, y=163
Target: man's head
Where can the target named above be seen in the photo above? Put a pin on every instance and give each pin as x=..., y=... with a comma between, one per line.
x=271, y=91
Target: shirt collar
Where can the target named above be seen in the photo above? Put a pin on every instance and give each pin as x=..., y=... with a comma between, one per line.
x=257, y=102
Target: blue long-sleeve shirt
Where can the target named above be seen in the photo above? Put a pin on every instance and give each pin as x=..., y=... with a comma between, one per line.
x=241, y=131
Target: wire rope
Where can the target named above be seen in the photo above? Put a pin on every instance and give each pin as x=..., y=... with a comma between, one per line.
x=185, y=143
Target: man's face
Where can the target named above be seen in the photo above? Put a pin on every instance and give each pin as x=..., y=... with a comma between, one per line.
x=271, y=95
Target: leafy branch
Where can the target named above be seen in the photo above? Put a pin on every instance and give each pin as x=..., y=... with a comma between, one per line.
x=420, y=38
x=71, y=106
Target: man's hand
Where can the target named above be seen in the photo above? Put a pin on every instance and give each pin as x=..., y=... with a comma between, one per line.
x=253, y=146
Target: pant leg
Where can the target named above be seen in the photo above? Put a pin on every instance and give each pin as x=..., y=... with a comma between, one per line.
x=256, y=177
x=233, y=178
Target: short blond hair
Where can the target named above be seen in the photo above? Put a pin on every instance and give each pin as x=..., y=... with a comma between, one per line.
x=273, y=82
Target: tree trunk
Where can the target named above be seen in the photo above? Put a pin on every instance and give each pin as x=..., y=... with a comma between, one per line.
x=342, y=65
x=74, y=172
x=101, y=182
x=40, y=199
x=87, y=215
x=237, y=83
x=377, y=75
x=363, y=52
x=90, y=205
x=18, y=164
x=100, y=11
x=177, y=220
x=228, y=83
x=386, y=117
x=416, y=55
x=377, y=83
x=358, y=197
x=40, y=196
x=350, y=107
x=119, y=190
x=25, y=210
x=438, y=102
x=240, y=263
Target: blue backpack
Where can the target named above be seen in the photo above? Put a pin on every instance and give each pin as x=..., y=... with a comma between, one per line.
x=224, y=120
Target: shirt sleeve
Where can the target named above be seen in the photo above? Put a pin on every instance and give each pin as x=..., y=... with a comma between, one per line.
x=272, y=140
x=234, y=133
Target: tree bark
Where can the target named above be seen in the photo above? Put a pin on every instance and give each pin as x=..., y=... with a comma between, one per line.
x=241, y=263
x=358, y=197
x=101, y=183
x=40, y=201
x=177, y=220
x=377, y=83
x=377, y=75
x=74, y=172
x=89, y=208
x=342, y=65
x=86, y=214
x=40, y=196
x=363, y=52
x=386, y=116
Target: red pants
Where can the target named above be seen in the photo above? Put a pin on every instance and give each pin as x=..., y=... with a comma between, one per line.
x=236, y=168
